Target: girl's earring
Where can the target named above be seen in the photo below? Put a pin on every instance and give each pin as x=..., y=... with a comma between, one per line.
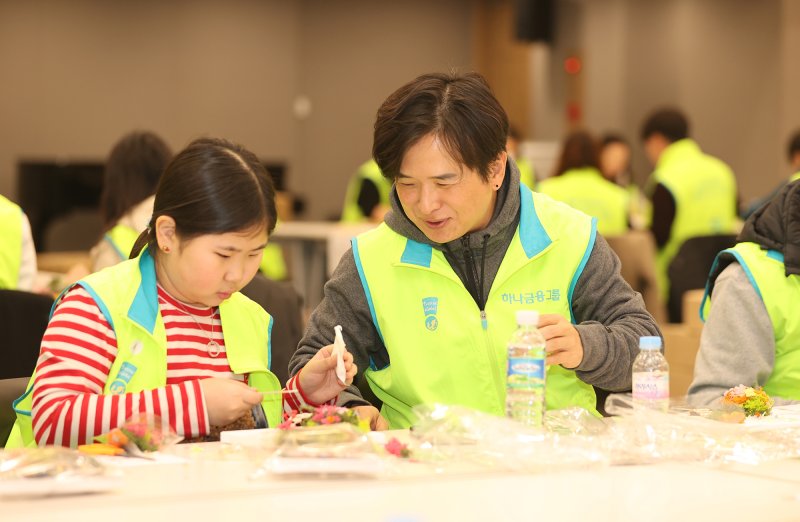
x=165, y=249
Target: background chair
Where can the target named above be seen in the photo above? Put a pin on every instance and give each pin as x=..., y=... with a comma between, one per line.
x=690, y=267
x=23, y=320
x=636, y=250
x=285, y=306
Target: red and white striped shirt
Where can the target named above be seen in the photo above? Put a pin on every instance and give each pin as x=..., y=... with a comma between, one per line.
x=78, y=349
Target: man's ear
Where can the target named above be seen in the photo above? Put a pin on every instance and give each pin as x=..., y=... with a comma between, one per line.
x=165, y=233
x=497, y=170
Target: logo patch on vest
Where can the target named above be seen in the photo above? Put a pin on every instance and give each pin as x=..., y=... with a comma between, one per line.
x=124, y=376
x=430, y=305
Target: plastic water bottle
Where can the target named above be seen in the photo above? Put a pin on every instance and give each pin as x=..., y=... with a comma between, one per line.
x=525, y=378
x=650, y=376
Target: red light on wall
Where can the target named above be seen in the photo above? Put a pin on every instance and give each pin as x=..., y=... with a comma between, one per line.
x=572, y=65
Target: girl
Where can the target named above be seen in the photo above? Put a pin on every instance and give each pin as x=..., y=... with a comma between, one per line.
x=168, y=332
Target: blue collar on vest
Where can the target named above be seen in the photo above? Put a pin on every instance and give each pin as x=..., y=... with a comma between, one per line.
x=144, y=308
x=532, y=235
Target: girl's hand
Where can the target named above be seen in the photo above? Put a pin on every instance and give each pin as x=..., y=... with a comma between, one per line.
x=227, y=400
x=318, y=377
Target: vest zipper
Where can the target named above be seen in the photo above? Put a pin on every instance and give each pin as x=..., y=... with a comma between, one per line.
x=491, y=357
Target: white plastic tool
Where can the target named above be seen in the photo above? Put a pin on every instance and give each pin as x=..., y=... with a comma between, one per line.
x=338, y=352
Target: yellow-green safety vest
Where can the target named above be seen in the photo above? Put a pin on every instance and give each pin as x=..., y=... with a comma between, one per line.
x=588, y=191
x=10, y=243
x=126, y=294
x=351, y=212
x=704, y=189
x=766, y=271
x=441, y=348
x=526, y=175
x=122, y=238
x=273, y=265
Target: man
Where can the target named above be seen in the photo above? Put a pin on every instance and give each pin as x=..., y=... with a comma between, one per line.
x=693, y=194
x=427, y=300
x=752, y=331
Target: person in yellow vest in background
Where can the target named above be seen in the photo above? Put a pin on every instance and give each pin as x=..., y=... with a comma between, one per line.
x=526, y=174
x=579, y=183
x=17, y=251
x=427, y=300
x=615, y=164
x=752, y=322
x=167, y=333
x=693, y=193
x=793, y=155
x=367, y=197
x=130, y=178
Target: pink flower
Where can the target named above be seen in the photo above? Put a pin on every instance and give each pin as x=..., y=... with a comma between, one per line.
x=331, y=419
x=397, y=448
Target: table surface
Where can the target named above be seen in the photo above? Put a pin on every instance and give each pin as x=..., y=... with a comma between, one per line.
x=215, y=483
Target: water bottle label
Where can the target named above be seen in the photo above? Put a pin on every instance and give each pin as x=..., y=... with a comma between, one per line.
x=525, y=372
x=651, y=385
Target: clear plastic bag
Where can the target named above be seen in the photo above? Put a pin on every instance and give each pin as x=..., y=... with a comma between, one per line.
x=26, y=472
x=139, y=434
x=336, y=449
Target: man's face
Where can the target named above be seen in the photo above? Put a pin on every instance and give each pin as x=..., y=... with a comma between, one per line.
x=443, y=198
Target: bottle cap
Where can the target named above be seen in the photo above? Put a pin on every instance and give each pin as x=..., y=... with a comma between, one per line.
x=650, y=342
x=529, y=317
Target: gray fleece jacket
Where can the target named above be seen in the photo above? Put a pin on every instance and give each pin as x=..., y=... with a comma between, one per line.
x=610, y=317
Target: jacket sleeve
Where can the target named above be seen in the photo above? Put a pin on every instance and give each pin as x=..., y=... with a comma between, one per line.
x=737, y=345
x=344, y=303
x=610, y=317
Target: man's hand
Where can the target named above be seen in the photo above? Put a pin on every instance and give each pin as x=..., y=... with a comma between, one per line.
x=318, y=377
x=564, y=345
x=371, y=413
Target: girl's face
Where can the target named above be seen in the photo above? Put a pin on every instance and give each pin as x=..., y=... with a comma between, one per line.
x=207, y=269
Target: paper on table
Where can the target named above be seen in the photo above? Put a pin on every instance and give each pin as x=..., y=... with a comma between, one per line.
x=338, y=352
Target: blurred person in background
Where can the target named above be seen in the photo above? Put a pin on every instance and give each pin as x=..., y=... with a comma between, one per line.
x=526, y=174
x=130, y=178
x=367, y=196
x=579, y=183
x=693, y=193
x=615, y=164
x=18, y=254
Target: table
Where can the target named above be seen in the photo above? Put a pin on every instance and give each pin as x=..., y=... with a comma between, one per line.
x=201, y=489
x=313, y=249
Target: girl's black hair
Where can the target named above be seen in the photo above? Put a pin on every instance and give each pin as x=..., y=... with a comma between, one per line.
x=212, y=186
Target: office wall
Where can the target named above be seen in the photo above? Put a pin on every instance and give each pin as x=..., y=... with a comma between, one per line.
x=353, y=54
x=77, y=75
x=719, y=60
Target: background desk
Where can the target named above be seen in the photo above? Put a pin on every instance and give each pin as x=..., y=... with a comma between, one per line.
x=313, y=249
x=211, y=489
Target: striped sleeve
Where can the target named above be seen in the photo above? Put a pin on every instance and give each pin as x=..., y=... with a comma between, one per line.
x=295, y=400
x=78, y=350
